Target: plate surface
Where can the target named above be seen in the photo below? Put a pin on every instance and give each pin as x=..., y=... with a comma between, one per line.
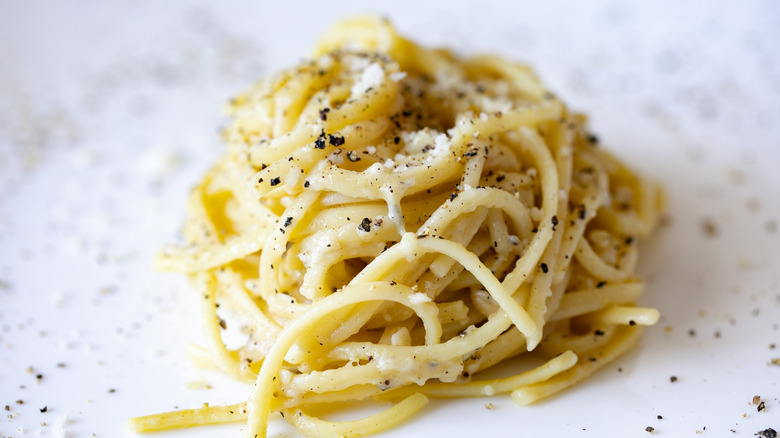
x=110, y=112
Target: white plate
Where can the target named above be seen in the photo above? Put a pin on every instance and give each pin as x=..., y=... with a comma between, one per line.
x=109, y=113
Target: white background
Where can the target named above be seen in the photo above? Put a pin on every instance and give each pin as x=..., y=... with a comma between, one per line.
x=109, y=112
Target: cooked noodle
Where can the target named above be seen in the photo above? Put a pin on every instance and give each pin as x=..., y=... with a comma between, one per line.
x=391, y=220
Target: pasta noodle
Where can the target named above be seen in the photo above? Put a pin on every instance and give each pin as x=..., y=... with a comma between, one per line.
x=390, y=220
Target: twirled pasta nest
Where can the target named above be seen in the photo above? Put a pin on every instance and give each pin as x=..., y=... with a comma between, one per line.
x=391, y=220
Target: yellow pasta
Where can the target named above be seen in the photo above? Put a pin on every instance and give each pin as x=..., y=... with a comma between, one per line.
x=391, y=220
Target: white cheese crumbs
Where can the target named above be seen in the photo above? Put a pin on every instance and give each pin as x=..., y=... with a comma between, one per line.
x=397, y=76
x=336, y=157
x=158, y=162
x=418, y=298
x=58, y=299
x=374, y=168
x=488, y=390
x=371, y=149
x=400, y=169
x=496, y=105
x=371, y=77
x=389, y=163
x=416, y=141
x=59, y=426
x=441, y=145
x=514, y=240
x=359, y=63
x=326, y=61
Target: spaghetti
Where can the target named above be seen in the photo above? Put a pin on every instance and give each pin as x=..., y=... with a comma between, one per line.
x=390, y=220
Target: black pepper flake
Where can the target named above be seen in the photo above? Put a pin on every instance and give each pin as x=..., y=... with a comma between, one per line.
x=599, y=333
x=39, y=376
x=453, y=196
x=767, y=433
x=319, y=143
x=601, y=284
x=336, y=140
x=500, y=178
x=7, y=408
x=761, y=407
x=20, y=402
x=709, y=228
x=660, y=417
x=554, y=222
x=306, y=184
x=592, y=139
x=534, y=230
x=275, y=181
x=471, y=152
x=222, y=323
x=365, y=225
x=629, y=240
x=111, y=390
x=632, y=322
x=44, y=409
x=393, y=283
x=353, y=156
x=288, y=221
x=673, y=379
x=650, y=429
x=397, y=140
x=544, y=267
x=324, y=114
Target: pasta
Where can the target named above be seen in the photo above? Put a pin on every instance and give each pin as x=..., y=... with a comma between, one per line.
x=390, y=220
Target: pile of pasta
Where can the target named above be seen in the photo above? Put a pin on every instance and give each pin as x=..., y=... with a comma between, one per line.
x=391, y=220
